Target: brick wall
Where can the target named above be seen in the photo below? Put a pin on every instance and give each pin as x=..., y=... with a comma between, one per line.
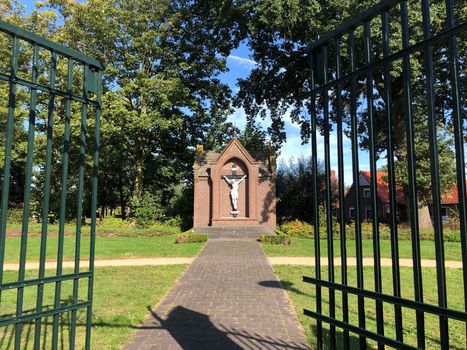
x=257, y=196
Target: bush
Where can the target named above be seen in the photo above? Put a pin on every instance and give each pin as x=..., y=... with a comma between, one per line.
x=303, y=229
x=279, y=239
x=110, y=221
x=367, y=231
x=174, y=222
x=15, y=215
x=297, y=228
x=147, y=211
x=191, y=238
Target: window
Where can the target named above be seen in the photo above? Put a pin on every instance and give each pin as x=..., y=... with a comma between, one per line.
x=351, y=213
x=444, y=211
x=366, y=193
x=444, y=214
x=368, y=213
x=387, y=208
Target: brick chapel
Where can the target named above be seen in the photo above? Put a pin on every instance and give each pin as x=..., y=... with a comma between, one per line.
x=234, y=189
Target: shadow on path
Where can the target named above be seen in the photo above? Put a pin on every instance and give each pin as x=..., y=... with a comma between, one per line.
x=285, y=285
x=193, y=330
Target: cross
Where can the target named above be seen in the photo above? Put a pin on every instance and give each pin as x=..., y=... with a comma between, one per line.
x=234, y=174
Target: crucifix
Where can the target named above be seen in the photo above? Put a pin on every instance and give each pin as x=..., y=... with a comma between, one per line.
x=234, y=180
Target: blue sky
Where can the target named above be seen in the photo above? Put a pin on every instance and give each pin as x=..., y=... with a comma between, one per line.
x=240, y=64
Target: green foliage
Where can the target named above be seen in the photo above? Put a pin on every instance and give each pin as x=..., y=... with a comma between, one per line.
x=270, y=239
x=446, y=159
x=161, y=96
x=366, y=230
x=181, y=205
x=302, y=229
x=279, y=35
x=192, y=238
x=253, y=138
x=294, y=186
x=173, y=222
x=147, y=210
x=305, y=247
x=297, y=228
x=15, y=215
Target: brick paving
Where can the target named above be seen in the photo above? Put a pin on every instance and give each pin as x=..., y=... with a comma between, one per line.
x=229, y=298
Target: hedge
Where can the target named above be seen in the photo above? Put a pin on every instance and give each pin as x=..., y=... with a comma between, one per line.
x=269, y=239
x=191, y=238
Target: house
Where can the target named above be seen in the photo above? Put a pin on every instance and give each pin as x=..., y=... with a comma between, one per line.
x=449, y=203
x=366, y=212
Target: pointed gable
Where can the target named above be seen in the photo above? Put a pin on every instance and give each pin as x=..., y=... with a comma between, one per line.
x=235, y=149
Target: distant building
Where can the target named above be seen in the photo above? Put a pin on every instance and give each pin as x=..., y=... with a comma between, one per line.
x=366, y=212
x=449, y=200
x=449, y=203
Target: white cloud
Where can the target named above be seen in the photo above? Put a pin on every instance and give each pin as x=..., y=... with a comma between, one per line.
x=238, y=118
x=246, y=62
x=293, y=149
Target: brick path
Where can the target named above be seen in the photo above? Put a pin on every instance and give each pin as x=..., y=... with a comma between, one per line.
x=229, y=298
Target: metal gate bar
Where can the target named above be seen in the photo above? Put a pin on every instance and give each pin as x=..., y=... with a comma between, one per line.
x=92, y=76
x=320, y=87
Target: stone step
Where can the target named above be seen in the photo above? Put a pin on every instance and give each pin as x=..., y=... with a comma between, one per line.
x=240, y=233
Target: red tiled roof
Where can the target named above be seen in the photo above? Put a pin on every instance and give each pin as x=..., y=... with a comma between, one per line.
x=383, y=186
x=451, y=196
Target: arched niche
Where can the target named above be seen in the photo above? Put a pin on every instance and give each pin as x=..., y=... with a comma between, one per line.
x=228, y=170
x=233, y=151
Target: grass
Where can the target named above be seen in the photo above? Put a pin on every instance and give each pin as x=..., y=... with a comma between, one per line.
x=303, y=296
x=118, y=306
x=305, y=247
x=106, y=247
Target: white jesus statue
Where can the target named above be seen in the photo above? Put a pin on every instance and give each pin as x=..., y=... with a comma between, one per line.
x=234, y=190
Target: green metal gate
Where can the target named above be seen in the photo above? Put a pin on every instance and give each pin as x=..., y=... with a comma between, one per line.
x=357, y=73
x=69, y=84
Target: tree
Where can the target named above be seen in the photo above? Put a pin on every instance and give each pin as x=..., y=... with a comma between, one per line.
x=162, y=96
x=294, y=188
x=254, y=139
x=279, y=32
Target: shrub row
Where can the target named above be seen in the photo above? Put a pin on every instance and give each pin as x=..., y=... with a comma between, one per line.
x=303, y=229
x=191, y=238
x=279, y=239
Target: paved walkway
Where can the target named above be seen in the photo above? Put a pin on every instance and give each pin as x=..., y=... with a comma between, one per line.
x=273, y=260
x=230, y=299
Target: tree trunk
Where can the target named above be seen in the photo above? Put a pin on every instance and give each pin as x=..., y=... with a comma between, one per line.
x=424, y=218
x=122, y=196
x=140, y=154
x=138, y=192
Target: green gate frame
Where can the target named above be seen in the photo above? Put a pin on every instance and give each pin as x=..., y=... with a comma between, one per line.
x=92, y=85
x=334, y=68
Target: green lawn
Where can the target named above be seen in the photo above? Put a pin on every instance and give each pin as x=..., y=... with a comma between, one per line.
x=118, y=306
x=106, y=247
x=305, y=247
x=303, y=296
x=164, y=246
